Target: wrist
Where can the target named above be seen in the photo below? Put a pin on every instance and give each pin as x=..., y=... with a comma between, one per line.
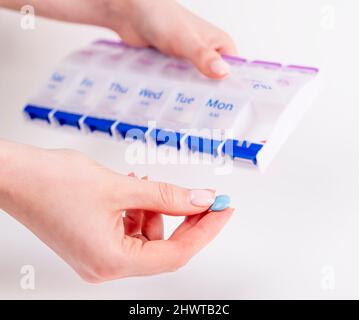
x=15, y=162
x=5, y=163
x=118, y=14
x=110, y=13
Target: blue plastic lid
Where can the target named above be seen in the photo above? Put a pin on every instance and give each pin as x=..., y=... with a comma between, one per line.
x=37, y=112
x=203, y=145
x=130, y=131
x=97, y=124
x=166, y=137
x=68, y=119
x=244, y=150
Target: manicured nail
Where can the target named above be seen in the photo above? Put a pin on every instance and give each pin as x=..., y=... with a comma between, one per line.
x=202, y=198
x=221, y=202
x=220, y=67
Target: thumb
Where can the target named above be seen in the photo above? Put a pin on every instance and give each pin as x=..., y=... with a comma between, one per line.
x=167, y=198
x=208, y=61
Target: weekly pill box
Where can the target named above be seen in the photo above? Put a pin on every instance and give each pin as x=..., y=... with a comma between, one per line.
x=129, y=94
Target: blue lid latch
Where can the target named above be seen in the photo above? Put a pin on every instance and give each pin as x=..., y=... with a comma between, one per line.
x=241, y=150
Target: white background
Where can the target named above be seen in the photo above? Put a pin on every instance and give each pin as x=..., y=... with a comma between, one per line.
x=295, y=226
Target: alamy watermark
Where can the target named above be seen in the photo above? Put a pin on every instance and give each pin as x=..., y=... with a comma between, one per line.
x=27, y=20
x=328, y=17
x=327, y=278
x=211, y=147
x=27, y=277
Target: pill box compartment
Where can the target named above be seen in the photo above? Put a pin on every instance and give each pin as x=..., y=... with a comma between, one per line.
x=122, y=91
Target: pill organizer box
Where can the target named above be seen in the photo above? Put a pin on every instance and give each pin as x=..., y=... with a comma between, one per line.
x=140, y=94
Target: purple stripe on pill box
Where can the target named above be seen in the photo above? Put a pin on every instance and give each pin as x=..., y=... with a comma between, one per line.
x=234, y=60
x=303, y=68
x=230, y=59
x=269, y=64
x=111, y=43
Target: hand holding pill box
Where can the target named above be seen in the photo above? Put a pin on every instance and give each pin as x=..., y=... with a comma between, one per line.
x=112, y=88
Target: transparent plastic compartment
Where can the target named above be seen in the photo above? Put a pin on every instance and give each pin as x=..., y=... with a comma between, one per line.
x=181, y=109
x=176, y=70
x=62, y=79
x=270, y=87
x=84, y=91
x=114, y=88
x=269, y=82
x=146, y=62
x=115, y=97
x=224, y=112
x=51, y=93
x=147, y=102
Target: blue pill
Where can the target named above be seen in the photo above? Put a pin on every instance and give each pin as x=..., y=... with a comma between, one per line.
x=220, y=203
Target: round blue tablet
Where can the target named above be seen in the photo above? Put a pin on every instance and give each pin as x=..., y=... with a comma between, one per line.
x=220, y=203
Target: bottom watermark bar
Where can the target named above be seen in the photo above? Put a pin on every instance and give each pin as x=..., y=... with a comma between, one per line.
x=186, y=309
x=182, y=309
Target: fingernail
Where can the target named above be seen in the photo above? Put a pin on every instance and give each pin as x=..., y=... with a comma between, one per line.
x=202, y=198
x=219, y=67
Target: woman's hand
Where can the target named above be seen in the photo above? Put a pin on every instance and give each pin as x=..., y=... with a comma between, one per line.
x=105, y=225
x=174, y=30
x=163, y=24
x=76, y=206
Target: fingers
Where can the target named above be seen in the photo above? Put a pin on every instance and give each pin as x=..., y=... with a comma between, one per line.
x=133, y=218
x=152, y=224
x=143, y=222
x=169, y=255
x=133, y=222
x=141, y=237
x=206, y=54
x=228, y=49
x=132, y=38
x=209, y=62
x=164, y=198
x=195, y=237
x=189, y=222
x=224, y=44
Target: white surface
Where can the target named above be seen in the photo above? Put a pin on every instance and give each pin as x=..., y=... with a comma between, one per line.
x=299, y=217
